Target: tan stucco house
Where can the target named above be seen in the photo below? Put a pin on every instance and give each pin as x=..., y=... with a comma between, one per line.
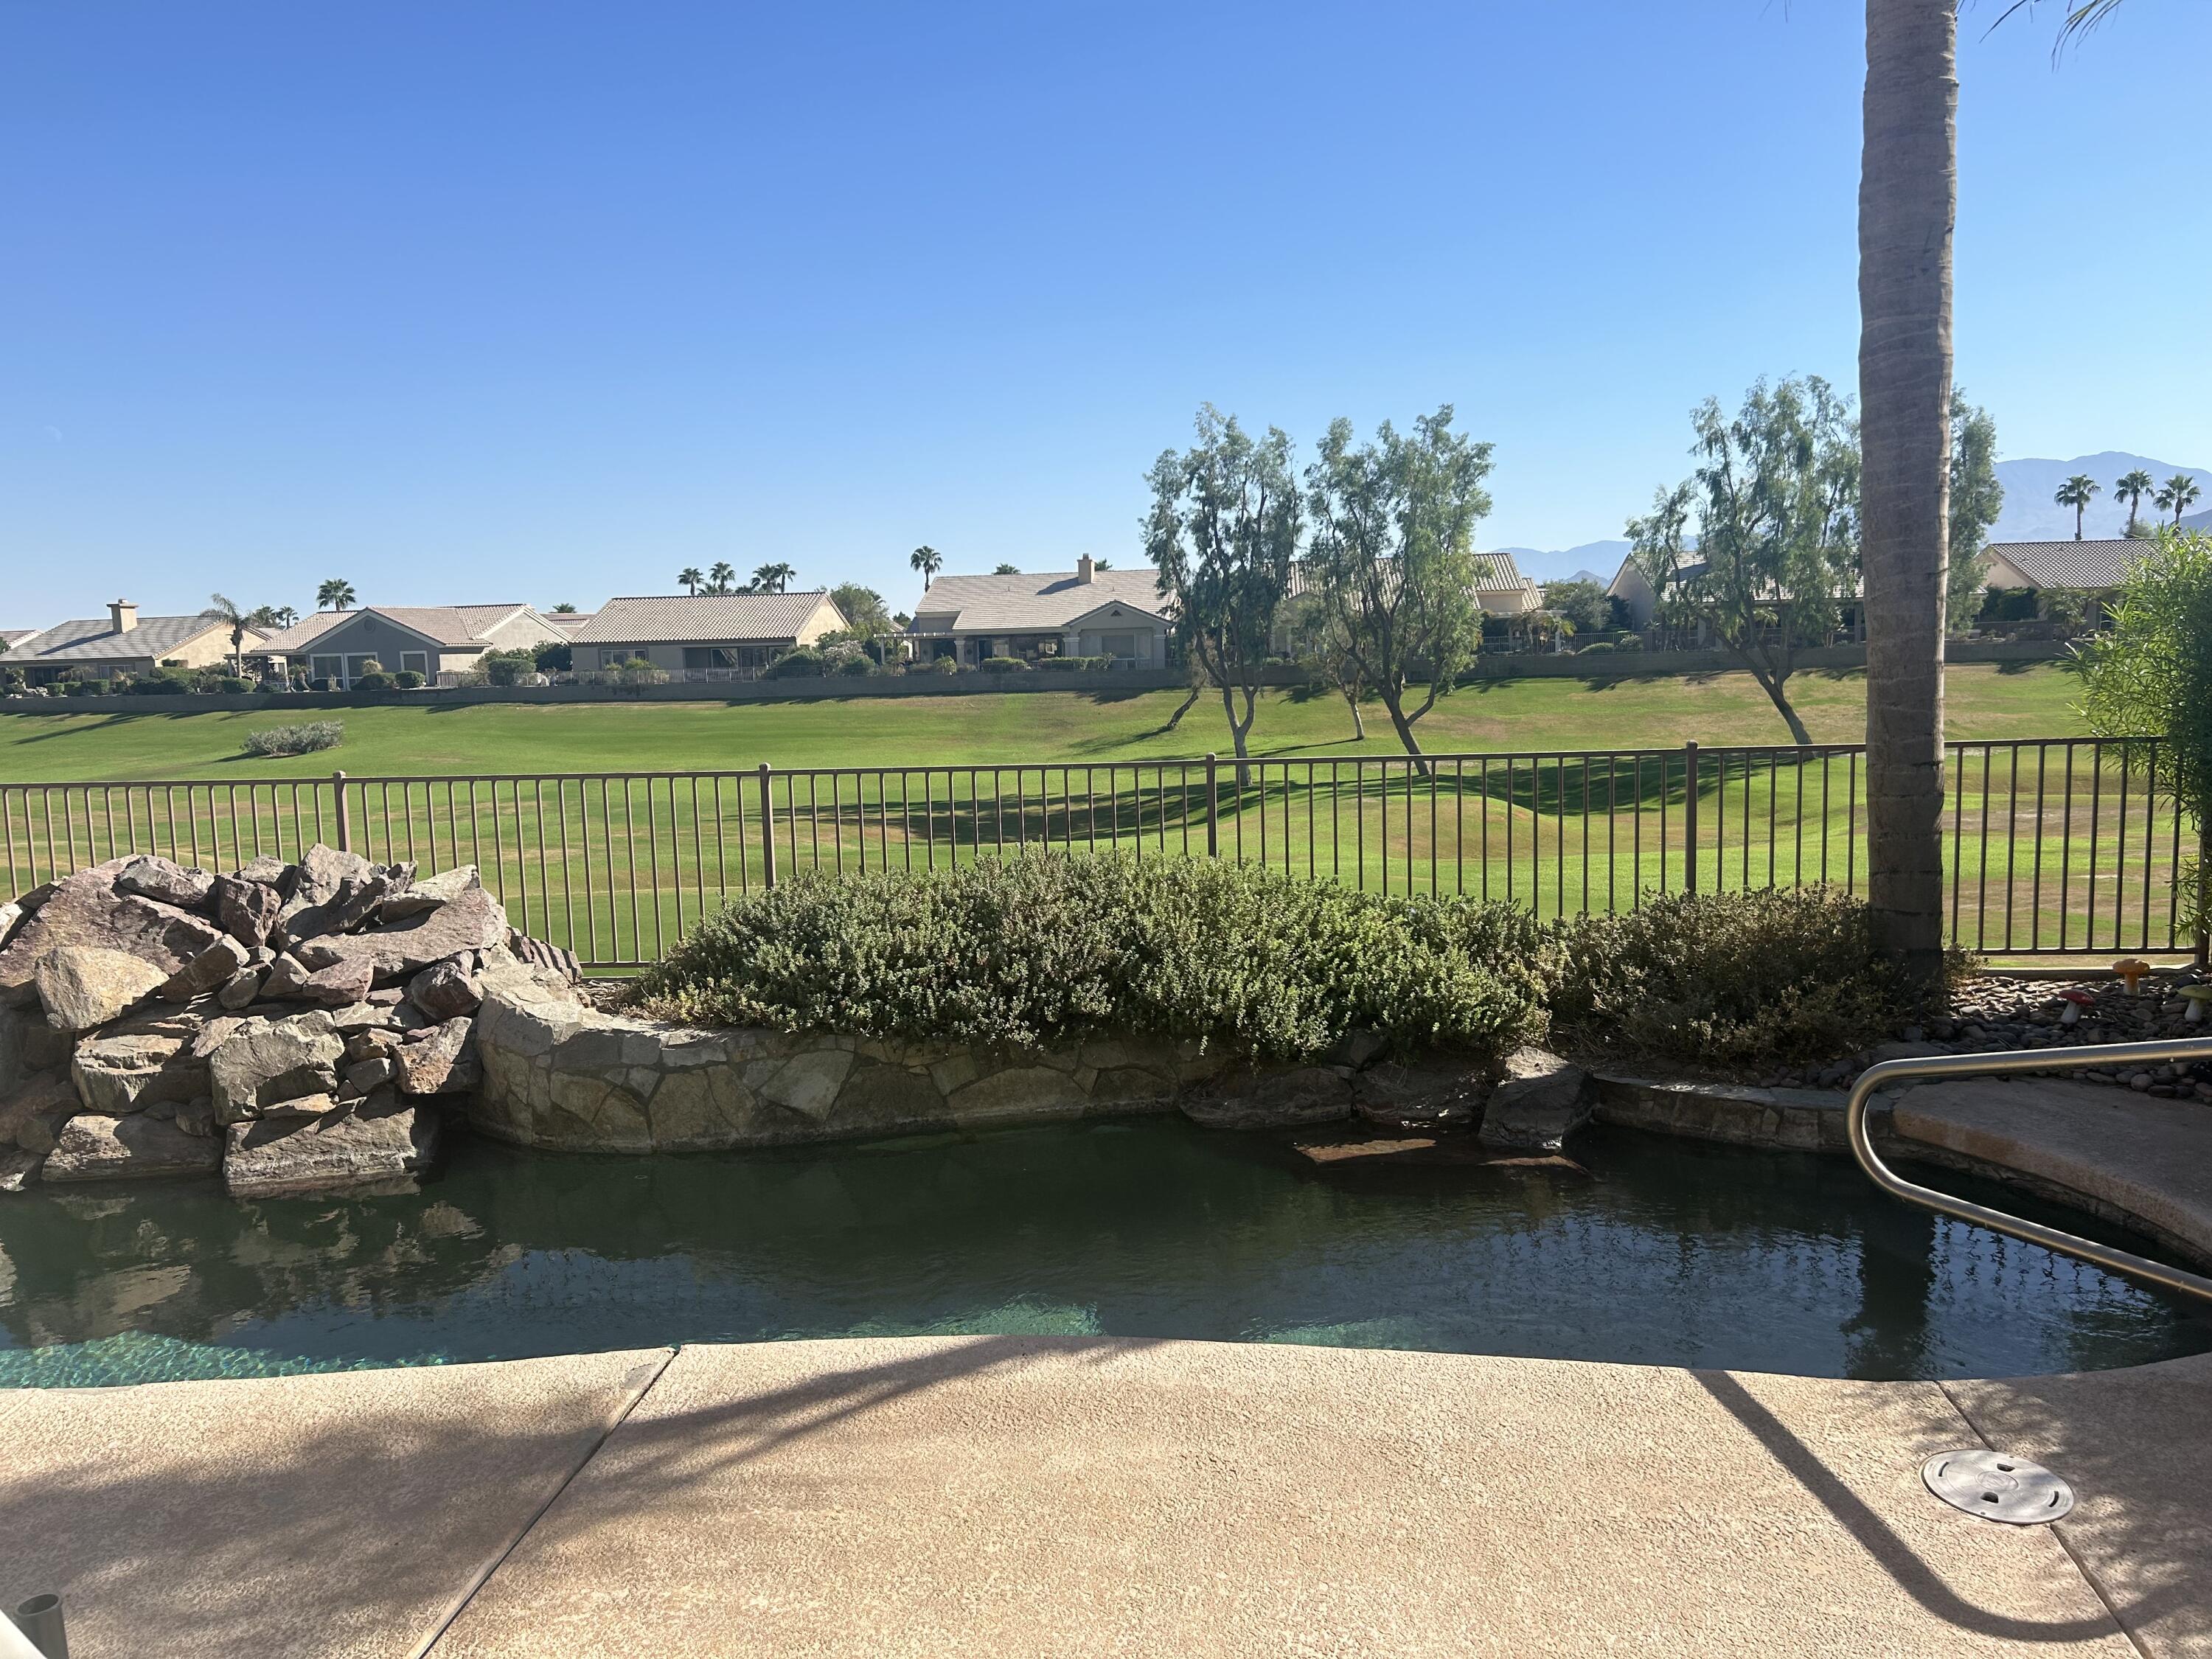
x=1083, y=612
x=704, y=636
x=440, y=642
x=2094, y=566
x=124, y=642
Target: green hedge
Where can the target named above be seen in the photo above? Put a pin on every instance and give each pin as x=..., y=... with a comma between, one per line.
x=1021, y=951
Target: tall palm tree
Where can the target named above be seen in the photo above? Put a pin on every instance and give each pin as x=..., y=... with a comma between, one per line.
x=773, y=578
x=1908, y=209
x=336, y=594
x=2179, y=494
x=2077, y=492
x=722, y=577
x=929, y=561
x=2131, y=488
x=225, y=611
x=692, y=576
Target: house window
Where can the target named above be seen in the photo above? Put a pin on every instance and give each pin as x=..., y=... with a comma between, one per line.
x=1120, y=646
x=327, y=668
x=358, y=665
x=418, y=661
x=722, y=656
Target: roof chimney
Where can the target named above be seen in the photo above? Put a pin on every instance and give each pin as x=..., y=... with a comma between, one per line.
x=123, y=614
x=1085, y=569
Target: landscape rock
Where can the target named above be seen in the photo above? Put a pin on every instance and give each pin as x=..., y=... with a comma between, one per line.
x=211, y=969
x=32, y=1116
x=363, y=1075
x=196, y=1117
x=323, y=870
x=19, y=1169
x=356, y=900
x=267, y=871
x=91, y=1147
x=430, y=893
x=11, y=916
x=164, y=880
x=317, y=1105
x=1435, y=1095
x=242, y=987
x=339, y=985
x=85, y=909
x=267, y=1060
x=83, y=986
x=473, y=921
x=376, y=1142
x=441, y=1061
x=248, y=908
x=130, y=1070
x=285, y=977
x=1542, y=1100
x=1253, y=1099
x=446, y=988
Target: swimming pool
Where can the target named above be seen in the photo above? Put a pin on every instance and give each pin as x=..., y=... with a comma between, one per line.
x=1648, y=1250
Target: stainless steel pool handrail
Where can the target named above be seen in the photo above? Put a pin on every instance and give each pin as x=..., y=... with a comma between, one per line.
x=2023, y=1059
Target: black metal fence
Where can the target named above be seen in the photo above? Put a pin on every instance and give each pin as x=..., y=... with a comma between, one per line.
x=2055, y=845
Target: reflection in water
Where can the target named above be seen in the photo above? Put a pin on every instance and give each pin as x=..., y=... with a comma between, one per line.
x=1667, y=1252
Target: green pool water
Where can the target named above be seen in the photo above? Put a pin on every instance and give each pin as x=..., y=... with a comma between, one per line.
x=1655, y=1251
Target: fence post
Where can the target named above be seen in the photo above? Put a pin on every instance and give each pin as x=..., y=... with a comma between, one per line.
x=1690, y=816
x=768, y=828
x=345, y=819
x=1212, y=806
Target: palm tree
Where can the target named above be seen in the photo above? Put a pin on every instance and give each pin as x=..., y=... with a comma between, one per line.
x=2076, y=493
x=1005, y=570
x=2179, y=494
x=1908, y=208
x=564, y=610
x=692, y=576
x=223, y=611
x=336, y=594
x=773, y=578
x=722, y=577
x=2131, y=488
x=929, y=561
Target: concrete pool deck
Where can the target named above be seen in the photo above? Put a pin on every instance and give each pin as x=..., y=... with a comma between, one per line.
x=1002, y=1496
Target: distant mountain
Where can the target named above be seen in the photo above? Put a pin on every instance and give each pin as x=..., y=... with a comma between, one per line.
x=2030, y=515
x=1573, y=563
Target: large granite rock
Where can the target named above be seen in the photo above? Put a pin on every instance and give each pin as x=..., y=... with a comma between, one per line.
x=474, y=922
x=92, y=1148
x=354, y=903
x=128, y=1071
x=430, y=893
x=248, y=908
x=1266, y=1099
x=31, y=1114
x=164, y=880
x=84, y=986
x=1430, y=1094
x=446, y=988
x=265, y=1062
x=28, y=1046
x=209, y=971
x=85, y=909
x=442, y=1060
x=341, y=985
x=377, y=1140
x=19, y=1169
x=1541, y=1101
x=11, y=916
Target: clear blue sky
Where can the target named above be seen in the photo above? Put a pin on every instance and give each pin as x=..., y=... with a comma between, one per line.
x=467, y=300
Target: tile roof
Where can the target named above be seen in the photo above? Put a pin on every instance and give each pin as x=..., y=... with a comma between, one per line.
x=9, y=635
x=1038, y=601
x=2098, y=563
x=1495, y=573
x=96, y=640
x=446, y=624
x=646, y=618
x=569, y=621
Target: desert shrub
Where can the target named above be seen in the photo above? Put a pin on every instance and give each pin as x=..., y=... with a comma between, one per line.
x=506, y=667
x=943, y=665
x=803, y=663
x=93, y=688
x=857, y=667
x=1040, y=946
x=371, y=679
x=1004, y=665
x=1074, y=664
x=1728, y=979
x=1631, y=642
x=234, y=683
x=407, y=679
x=160, y=683
x=554, y=657
x=295, y=740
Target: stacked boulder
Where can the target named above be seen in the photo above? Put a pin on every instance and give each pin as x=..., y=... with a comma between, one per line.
x=291, y=1026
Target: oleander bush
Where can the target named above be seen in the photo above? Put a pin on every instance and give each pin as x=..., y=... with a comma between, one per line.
x=1040, y=946
x=1003, y=665
x=1729, y=978
x=295, y=740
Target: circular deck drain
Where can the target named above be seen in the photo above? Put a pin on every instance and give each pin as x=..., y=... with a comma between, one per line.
x=1997, y=1487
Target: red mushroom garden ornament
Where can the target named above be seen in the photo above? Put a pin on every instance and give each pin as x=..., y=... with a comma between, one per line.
x=2131, y=972
x=2075, y=1000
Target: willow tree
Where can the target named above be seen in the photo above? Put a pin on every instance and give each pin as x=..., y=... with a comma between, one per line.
x=1976, y=498
x=1393, y=558
x=1222, y=532
x=2150, y=675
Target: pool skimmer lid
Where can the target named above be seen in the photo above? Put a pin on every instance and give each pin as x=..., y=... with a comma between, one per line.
x=1998, y=1488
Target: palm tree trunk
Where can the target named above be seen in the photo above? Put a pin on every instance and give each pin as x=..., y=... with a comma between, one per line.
x=1908, y=208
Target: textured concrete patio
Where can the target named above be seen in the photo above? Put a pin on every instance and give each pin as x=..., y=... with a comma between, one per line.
x=1018, y=1496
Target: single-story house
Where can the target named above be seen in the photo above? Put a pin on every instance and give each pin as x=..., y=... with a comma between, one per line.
x=1634, y=591
x=439, y=641
x=2095, y=565
x=1083, y=612
x=123, y=643
x=716, y=634
x=570, y=623
x=1500, y=589
x=9, y=636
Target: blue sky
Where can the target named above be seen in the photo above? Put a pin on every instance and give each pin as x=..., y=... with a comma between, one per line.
x=468, y=301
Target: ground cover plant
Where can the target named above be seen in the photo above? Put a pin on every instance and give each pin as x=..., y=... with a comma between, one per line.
x=1045, y=946
x=294, y=739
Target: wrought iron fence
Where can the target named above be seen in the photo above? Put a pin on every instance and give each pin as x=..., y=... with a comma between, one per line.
x=2054, y=846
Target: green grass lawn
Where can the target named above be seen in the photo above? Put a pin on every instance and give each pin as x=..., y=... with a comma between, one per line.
x=1496, y=717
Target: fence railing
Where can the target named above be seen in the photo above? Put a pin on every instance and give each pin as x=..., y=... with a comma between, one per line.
x=2054, y=846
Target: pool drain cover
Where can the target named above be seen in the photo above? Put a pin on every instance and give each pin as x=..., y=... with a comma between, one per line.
x=1997, y=1487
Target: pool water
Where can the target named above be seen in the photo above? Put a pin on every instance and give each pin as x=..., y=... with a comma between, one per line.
x=1654, y=1251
